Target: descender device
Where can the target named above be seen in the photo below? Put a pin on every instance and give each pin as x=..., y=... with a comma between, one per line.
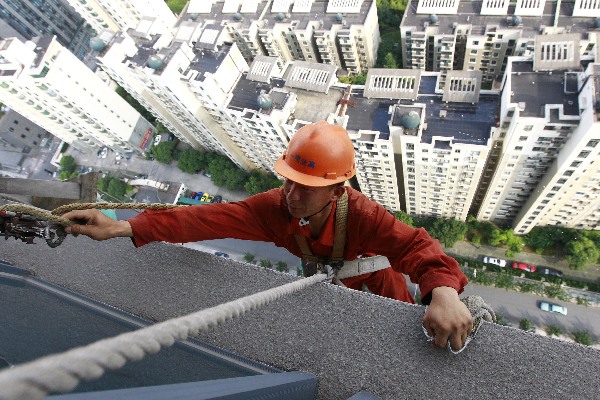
x=26, y=227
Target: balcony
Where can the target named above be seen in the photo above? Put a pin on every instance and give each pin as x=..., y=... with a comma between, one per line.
x=350, y=340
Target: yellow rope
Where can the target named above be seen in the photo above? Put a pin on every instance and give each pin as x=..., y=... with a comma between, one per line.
x=55, y=215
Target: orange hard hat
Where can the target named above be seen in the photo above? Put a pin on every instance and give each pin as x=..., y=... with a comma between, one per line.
x=319, y=154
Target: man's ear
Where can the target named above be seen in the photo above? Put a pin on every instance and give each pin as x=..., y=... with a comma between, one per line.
x=337, y=192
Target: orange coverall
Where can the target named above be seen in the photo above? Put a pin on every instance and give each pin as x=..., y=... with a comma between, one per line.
x=371, y=229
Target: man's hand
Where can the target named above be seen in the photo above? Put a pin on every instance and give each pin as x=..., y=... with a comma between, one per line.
x=447, y=318
x=96, y=225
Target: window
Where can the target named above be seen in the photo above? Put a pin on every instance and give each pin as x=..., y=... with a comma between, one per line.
x=584, y=154
x=528, y=128
x=522, y=138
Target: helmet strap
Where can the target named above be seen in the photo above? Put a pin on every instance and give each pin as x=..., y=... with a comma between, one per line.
x=305, y=220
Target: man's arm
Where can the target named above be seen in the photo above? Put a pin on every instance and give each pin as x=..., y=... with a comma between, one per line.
x=96, y=225
x=413, y=252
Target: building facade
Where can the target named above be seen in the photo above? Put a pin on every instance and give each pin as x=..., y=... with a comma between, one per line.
x=545, y=168
x=41, y=18
x=344, y=33
x=48, y=85
x=122, y=15
x=480, y=35
x=172, y=78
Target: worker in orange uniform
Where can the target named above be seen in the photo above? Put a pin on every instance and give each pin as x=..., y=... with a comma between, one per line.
x=301, y=217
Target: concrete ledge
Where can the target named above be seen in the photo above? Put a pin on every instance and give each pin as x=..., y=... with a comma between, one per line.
x=350, y=340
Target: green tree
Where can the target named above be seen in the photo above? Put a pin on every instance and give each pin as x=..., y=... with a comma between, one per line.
x=448, y=230
x=135, y=104
x=360, y=79
x=580, y=252
x=389, y=61
x=163, y=152
x=259, y=182
x=505, y=281
x=552, y=330
x=65, y=175
x=249, y=258
x=525, y=325
x=103, y=184
x=176, y=6
x=403, y=217
x=282, y=266
x=543, y=238
x=583, y=301
x=582, y=337
x=266, y=263
x=236, y=179
x=556, y=291
x=117, y=188
x=190, y=161
x=225, y=173
x=354, y=79
x=299, y=271
x=67, y=163
x=500, y=320
x=388, y=17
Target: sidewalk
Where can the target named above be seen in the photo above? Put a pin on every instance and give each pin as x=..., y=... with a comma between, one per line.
x=470, y=250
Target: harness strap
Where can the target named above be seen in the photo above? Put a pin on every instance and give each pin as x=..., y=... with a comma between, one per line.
x=339, y=240
x=362, y=266
x=341, y=222
x=348, y=268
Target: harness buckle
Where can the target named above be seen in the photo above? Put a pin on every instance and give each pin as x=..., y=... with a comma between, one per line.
x=329, y=268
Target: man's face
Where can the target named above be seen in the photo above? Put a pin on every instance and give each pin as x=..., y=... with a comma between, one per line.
x=304, y=201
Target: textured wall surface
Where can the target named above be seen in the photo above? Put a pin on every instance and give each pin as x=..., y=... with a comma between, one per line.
x=352, y=341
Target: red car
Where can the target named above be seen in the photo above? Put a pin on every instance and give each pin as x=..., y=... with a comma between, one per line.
x=524, y=267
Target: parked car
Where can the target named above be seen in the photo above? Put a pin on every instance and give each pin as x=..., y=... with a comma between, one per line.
x=496, y=261
x=118, y=157
x=549, y=271
x=205, y=197
x=157, y=139
x=524, y=266
x=218, y=199
x=552, y=307
x=103, y=152
x=221, y=254
x=206, y=174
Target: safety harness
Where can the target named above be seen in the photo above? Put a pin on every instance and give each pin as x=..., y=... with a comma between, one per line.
x=335, y=266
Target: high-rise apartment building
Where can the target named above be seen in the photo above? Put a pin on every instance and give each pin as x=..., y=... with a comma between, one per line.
x=41, y=18
x=48, y=85
x=123, y=14
x=545, y=156
x=344, y=33
x=480, y=35
x=172, y=78
x=440, y=141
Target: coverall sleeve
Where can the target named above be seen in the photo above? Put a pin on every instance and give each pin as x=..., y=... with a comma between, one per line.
x=249, y=219
x=410, y=251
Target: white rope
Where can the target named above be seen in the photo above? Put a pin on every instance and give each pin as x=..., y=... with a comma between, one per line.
x=60, y=373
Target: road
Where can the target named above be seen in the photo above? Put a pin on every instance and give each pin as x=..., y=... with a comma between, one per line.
x=515, y=306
